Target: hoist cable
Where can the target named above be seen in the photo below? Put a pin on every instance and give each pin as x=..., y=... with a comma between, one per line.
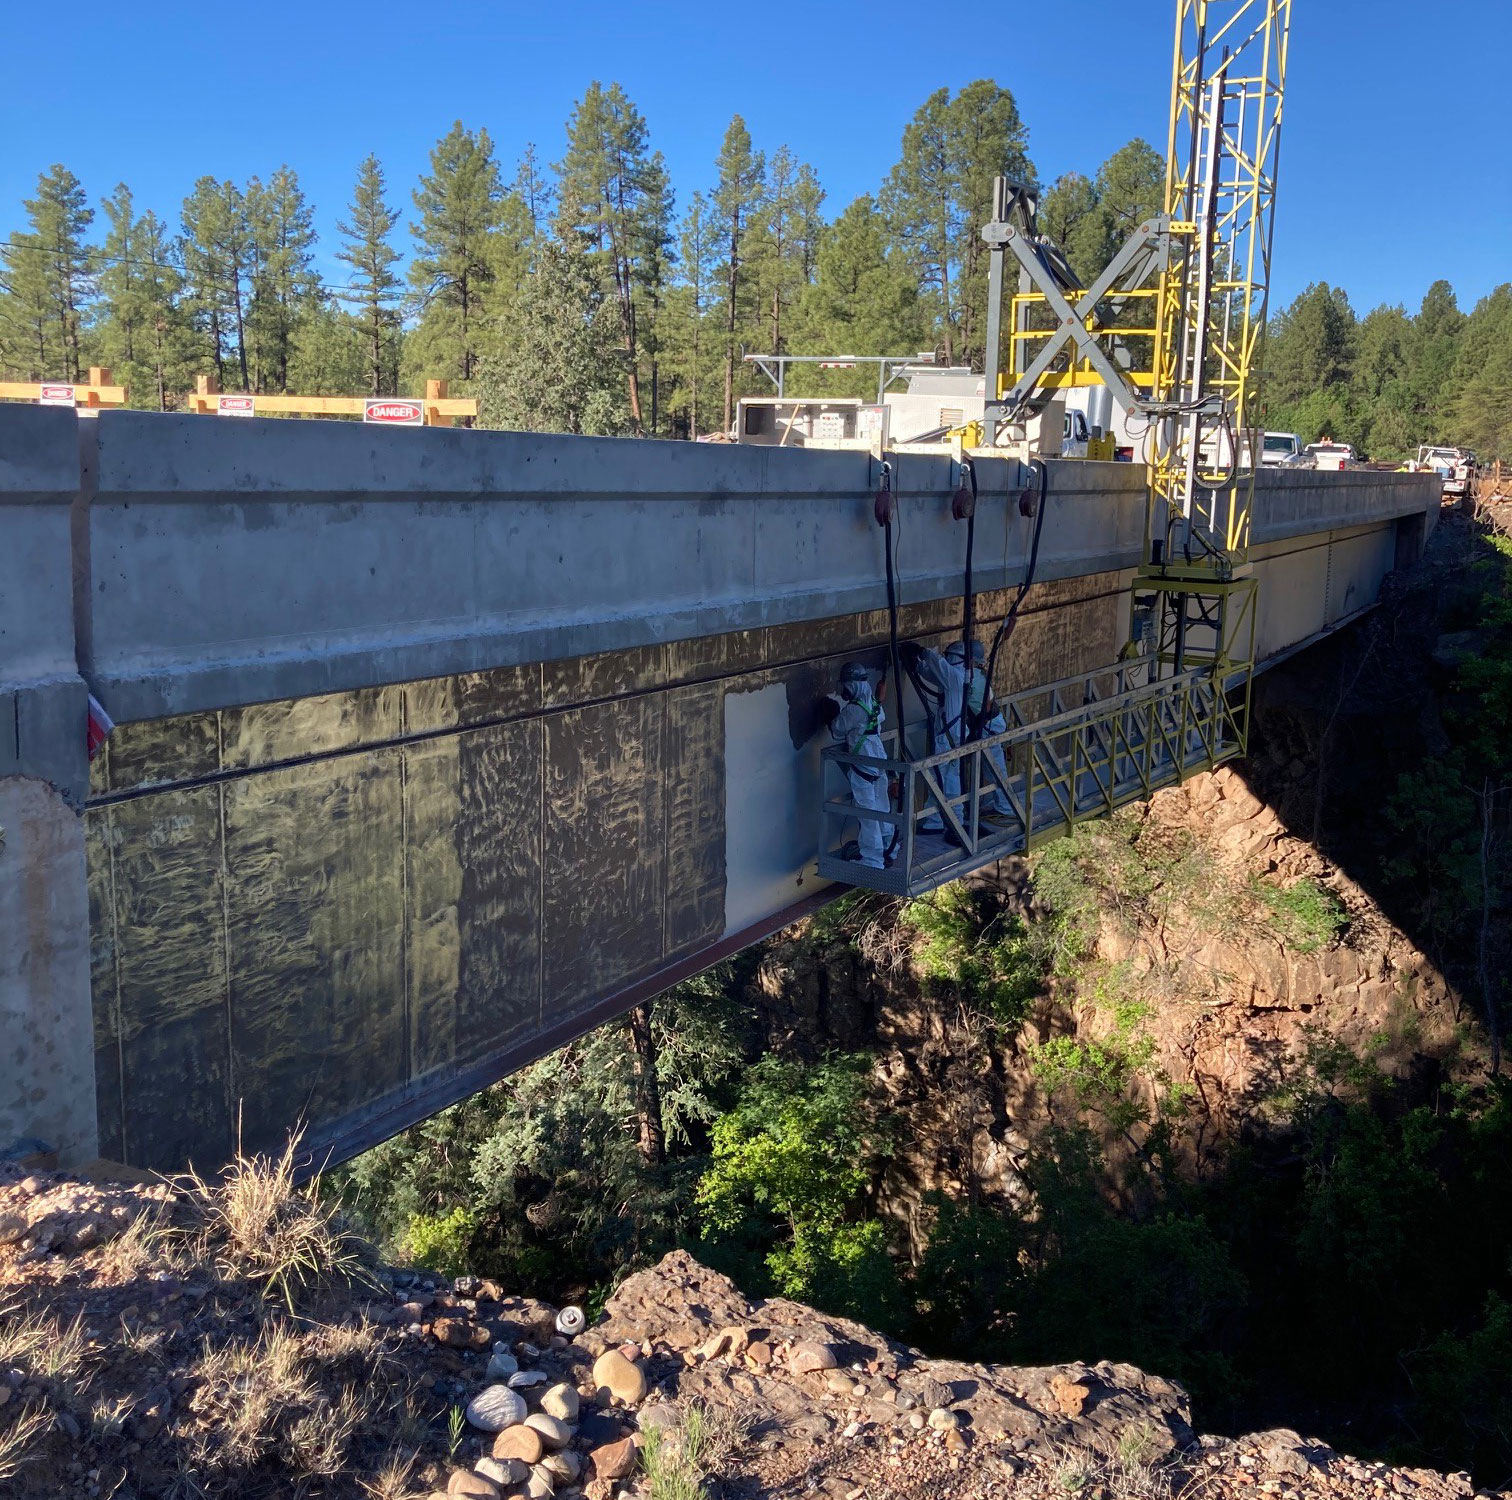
x=1005, y=627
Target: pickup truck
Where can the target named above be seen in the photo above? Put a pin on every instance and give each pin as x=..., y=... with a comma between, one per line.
x=1278, y=449
x=1332, y=456
x=1455, y=466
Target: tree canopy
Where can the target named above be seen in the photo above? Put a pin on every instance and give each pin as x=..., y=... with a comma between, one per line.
x=672, y=286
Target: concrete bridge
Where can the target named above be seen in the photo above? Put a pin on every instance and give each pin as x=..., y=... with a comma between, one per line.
x=437, y=748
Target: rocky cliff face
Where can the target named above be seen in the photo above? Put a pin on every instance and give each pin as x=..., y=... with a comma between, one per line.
x=1237, y=912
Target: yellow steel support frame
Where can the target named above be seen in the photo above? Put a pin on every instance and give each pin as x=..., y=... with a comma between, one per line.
x=1227, y=87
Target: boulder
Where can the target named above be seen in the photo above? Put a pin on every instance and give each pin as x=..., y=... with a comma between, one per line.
x=618, y=1378
x=561, y=1401
x=496, y=1407
x=555, y=1433
x=520, y=1442
x=458, y=1333
x=614, y=1460
x=502, y=1364
x=807, y=1358
x=564, y=1466
x=503, y=1471
x=471, y=1486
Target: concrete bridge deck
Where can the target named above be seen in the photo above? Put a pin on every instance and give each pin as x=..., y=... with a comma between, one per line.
x=436, y=748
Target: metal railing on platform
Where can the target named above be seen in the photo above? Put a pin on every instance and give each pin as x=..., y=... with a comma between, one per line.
x=1072, y=751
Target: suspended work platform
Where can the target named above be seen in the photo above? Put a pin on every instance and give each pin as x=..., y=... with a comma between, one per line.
x=1074, y=751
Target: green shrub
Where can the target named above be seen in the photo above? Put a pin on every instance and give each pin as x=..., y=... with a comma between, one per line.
x=439, y=1242
x=785, y=1194
x=990, y=959
x=1304, y=915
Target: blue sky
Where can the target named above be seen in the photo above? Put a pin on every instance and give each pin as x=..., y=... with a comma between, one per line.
x=1397, y=157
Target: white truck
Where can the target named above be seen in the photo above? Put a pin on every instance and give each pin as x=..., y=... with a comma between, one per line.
x=1279, y=449
x=1455, y=466
x=1331, y=457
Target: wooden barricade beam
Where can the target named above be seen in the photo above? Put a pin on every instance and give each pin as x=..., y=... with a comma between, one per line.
x=98, y=391
x=440, y=409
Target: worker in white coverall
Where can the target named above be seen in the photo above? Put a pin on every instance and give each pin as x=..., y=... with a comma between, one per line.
x=993, y=800
x=858, y=726
x=941, y=684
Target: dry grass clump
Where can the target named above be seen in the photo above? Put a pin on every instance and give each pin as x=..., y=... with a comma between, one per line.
x=52, y=1352
x=260, y=1226
x=1133, y=1473
x=21, y=1437
x=393, y=1480
x=145, y=1244
x=677, y=1461
x=263, y=1399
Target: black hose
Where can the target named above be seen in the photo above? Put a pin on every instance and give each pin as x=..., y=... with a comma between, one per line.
x=968, y=602
x=892, y=641
x=1005, y=628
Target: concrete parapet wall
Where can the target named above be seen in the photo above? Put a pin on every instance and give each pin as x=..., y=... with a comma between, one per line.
x=1296, y=502
x=260, y=560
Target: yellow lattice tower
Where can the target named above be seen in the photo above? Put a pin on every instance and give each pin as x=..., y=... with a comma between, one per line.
x=1228, y=84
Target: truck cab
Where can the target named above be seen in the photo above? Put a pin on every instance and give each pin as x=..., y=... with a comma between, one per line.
x=1278, y=449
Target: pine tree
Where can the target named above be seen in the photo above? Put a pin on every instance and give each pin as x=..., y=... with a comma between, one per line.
x=1431, y=354
x=282, y=281
x=790, y=228
x=688, y=314
x=655, y=258
x=141, y=326
x=453, y=270
x=988, y=139
x=864, y=300
x=374, y=290
x=1069, y=217
x=919, y=198
x=940, y=194
x=738, y=198
x=217, y=260
x=1381, y=384
x=1480, y=415
x=1130, y=190
x=561, y=370
x=534, y=191
x=330, y=353
x=1310, y=353
x=58, y=219
x=610, y=190
x=29, y=345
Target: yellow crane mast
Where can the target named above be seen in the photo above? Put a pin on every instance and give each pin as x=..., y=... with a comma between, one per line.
x=1173, y=327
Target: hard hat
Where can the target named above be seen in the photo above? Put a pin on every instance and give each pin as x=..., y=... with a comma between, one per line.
x=853, y=671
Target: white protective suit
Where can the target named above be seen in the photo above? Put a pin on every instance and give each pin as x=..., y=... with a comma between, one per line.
x=944, y=683
x=993, y=801
x=858, y=728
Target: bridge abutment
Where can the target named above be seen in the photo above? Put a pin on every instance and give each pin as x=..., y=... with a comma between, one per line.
x=47, y=1074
